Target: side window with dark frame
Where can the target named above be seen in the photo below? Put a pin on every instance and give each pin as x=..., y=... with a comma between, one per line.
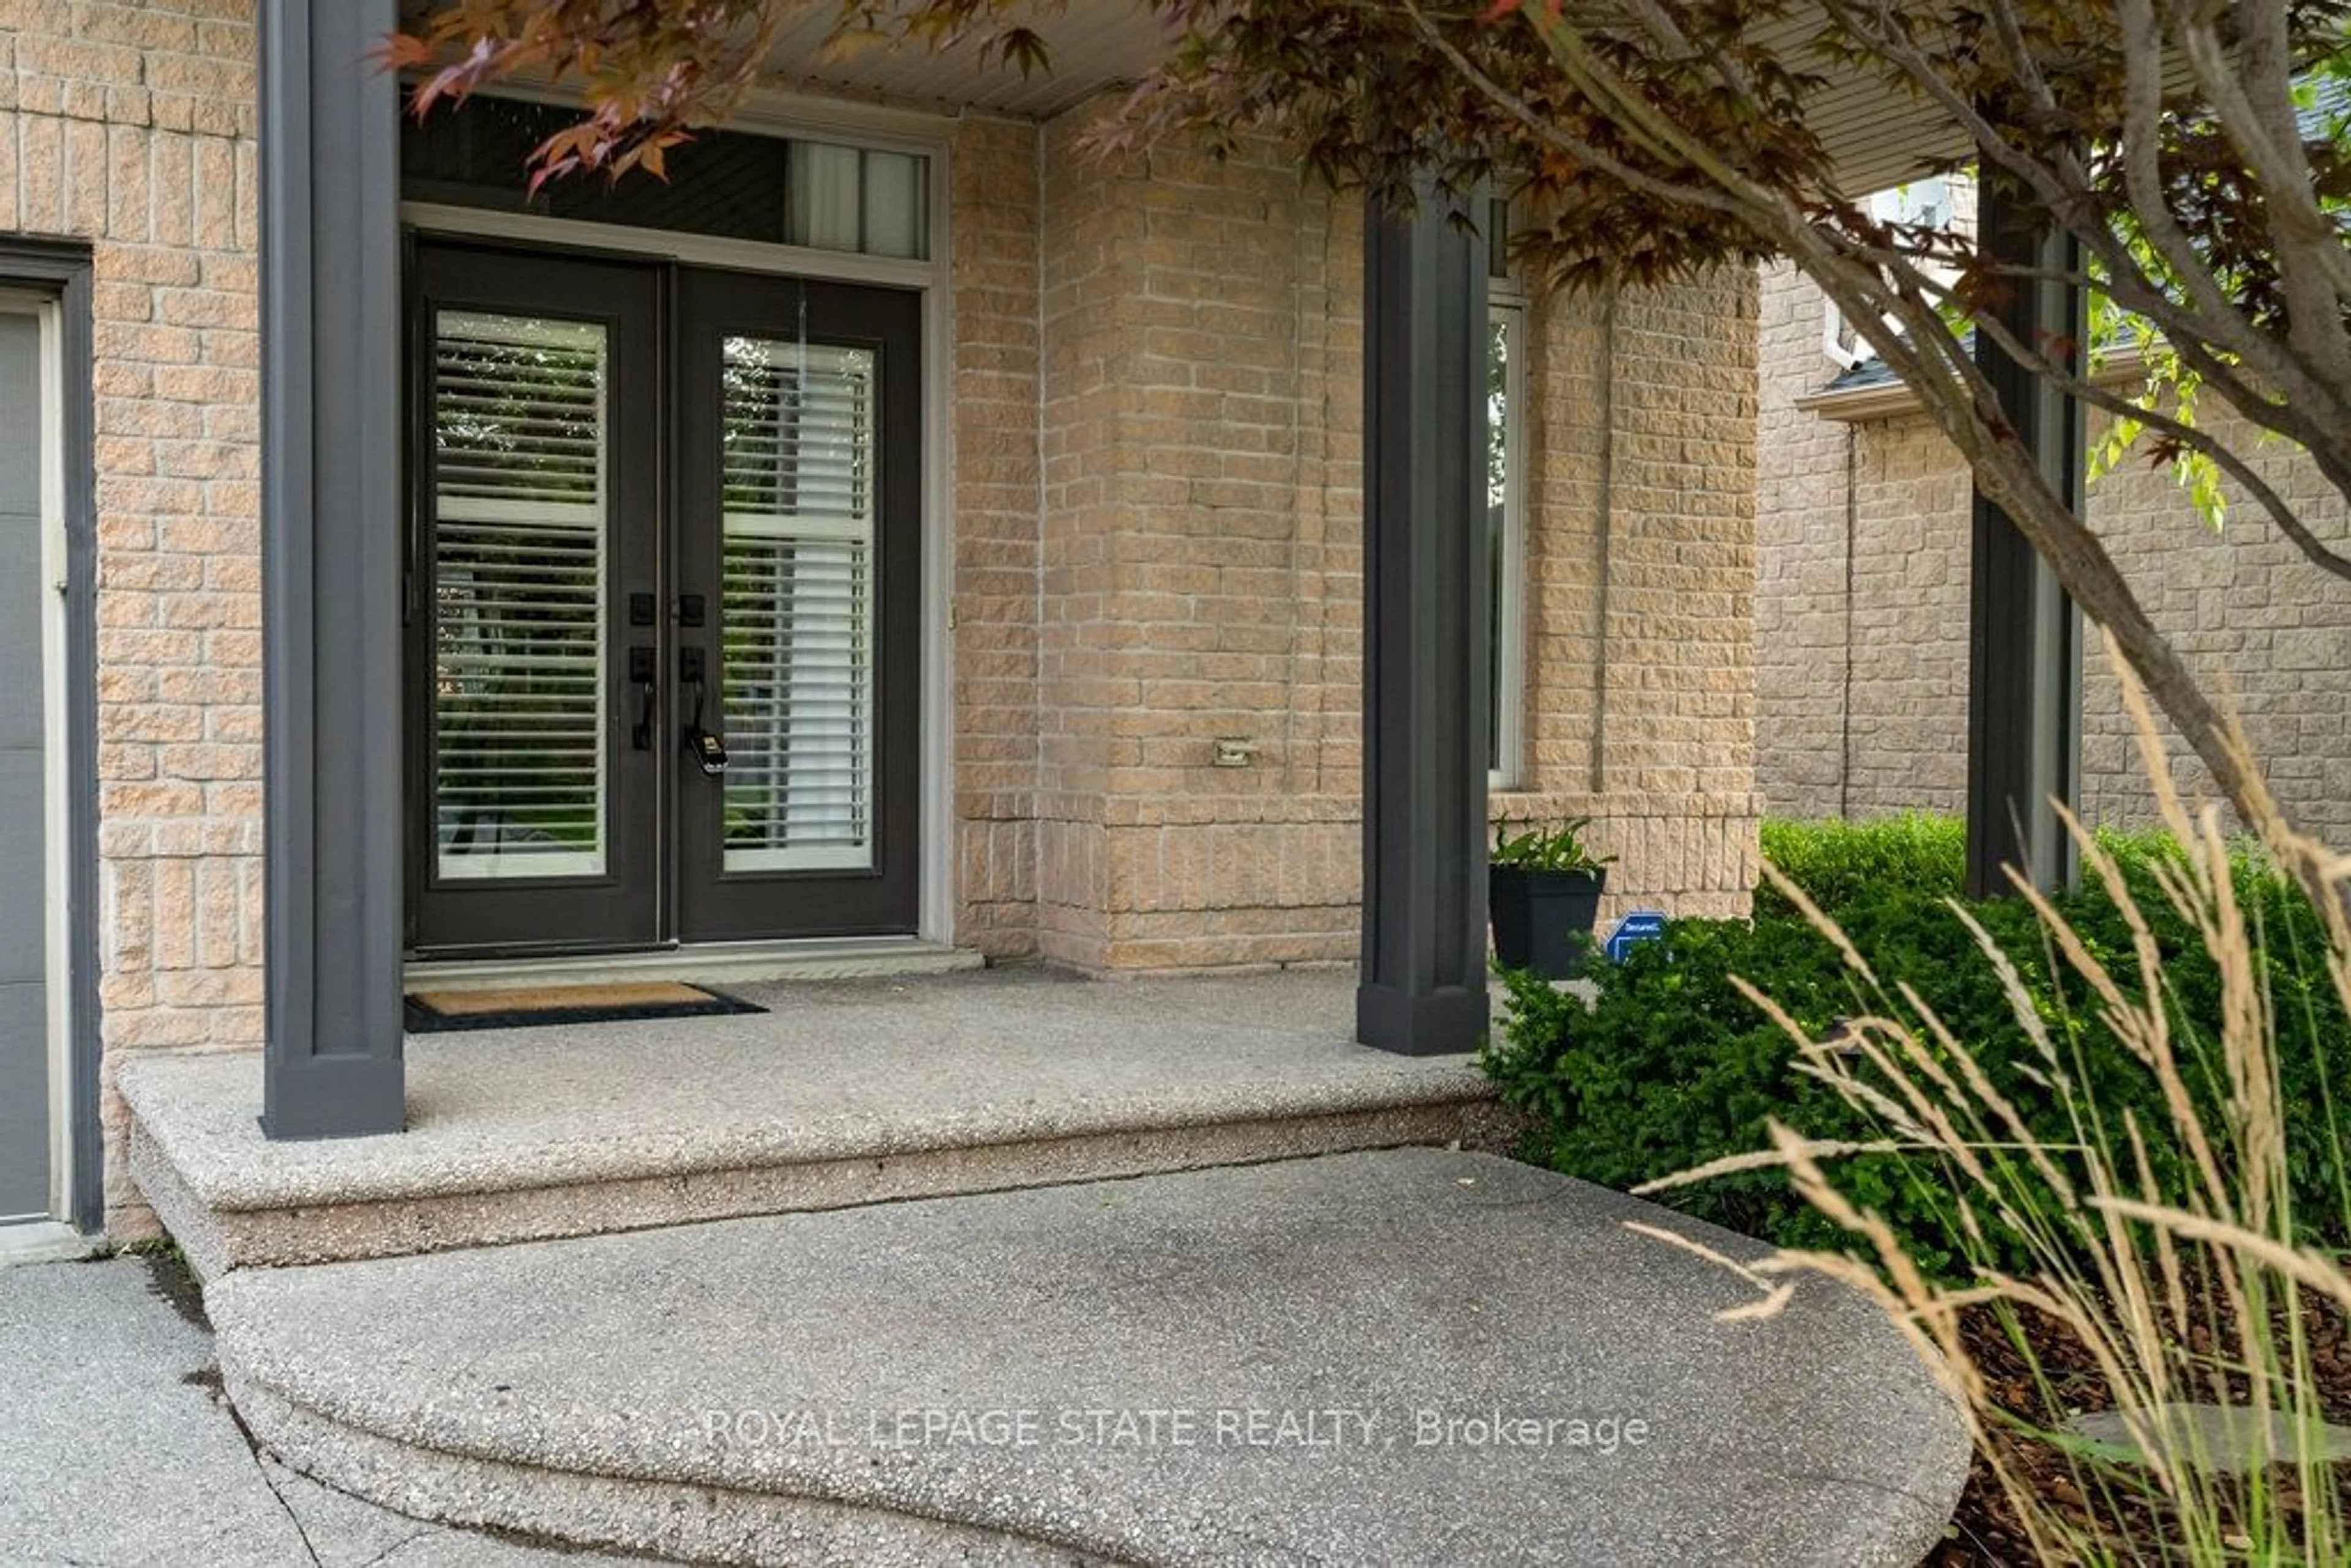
x=1507, y=433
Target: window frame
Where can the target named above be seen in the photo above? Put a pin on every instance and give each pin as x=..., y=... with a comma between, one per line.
x=1936, y=197
x=1506, y=308
x=792, y=149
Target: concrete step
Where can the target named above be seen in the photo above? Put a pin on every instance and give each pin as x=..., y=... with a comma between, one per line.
x=842, y=1093
x=1409, y=1356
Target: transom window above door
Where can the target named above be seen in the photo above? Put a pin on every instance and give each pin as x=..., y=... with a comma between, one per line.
x=730, y=184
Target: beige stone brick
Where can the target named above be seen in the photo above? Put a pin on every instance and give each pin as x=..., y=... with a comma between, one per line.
x=1861, y=610
x=141, y=27
x=11, y=182
x=1227, y=599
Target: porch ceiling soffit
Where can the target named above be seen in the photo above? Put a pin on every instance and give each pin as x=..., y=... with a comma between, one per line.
x=1878, y=137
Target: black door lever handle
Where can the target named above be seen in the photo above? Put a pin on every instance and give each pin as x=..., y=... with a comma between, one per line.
x=708, y=750
x=643, y=670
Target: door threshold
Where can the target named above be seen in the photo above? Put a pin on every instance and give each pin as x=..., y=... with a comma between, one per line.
x=718, y=963
x=44, y=1241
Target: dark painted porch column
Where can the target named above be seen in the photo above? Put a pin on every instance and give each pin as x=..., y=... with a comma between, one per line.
x=2025, y=674
x=1423, y=986
x=331, y=486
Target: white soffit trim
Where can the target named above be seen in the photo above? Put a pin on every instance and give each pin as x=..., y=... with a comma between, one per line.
x=1094, y=45
x=1878, y=136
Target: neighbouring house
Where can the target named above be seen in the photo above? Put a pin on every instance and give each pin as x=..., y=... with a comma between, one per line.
x=994, y=511
x=1861, y=610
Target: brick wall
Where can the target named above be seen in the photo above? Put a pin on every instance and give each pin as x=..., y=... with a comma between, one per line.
x=2267, y=633
x=1202, y=396
x=1202, y=570
x=1863, y=575
x=130, y=127
x=1802, y=626
x=1641, y=567
x=993, y=225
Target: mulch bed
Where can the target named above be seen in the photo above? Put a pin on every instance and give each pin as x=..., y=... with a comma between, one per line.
x=1986, y=1531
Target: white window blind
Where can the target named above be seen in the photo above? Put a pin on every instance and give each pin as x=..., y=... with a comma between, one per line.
x=517, y=545
x=857, y=199
x=1506, y=438
x=799, y=603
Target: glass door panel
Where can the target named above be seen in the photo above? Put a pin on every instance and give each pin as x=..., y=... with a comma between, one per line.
x=799, y=519
x=534, y=815
x=797, y=605
x=519, y=521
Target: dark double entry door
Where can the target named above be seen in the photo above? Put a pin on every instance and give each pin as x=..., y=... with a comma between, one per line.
x=663, y=622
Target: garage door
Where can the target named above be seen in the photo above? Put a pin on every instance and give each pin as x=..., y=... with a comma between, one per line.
x=25, y=1134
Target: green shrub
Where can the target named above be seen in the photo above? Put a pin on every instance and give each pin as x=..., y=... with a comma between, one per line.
x=1671, y=1068
x=2105, y=1269
x=1840, y=863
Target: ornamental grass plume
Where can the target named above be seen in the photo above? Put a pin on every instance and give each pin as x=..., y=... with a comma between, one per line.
x=2171, y=1263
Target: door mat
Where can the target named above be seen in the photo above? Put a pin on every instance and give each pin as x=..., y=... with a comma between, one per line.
x=441, y=1012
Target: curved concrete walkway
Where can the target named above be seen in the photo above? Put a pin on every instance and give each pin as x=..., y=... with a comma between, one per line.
x=1410, y=1356
x=115, y=1450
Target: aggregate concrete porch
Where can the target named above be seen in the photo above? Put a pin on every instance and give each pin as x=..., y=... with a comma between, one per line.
x=843, y=1092
x=1401, y=1356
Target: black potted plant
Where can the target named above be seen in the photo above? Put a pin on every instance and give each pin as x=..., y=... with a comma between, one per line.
x=1543, y=893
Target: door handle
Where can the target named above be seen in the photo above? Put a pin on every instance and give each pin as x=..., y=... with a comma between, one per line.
x=708, y=750
x=646, y=674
